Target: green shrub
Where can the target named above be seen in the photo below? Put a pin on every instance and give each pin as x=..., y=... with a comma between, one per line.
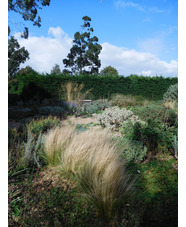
x=123, y=100
x=42, y=125
x=34, y=92
x=96, y=105
x=132, y=150
x=156, y=112
x=34, y=149
x=155, y=136
x=171, y=94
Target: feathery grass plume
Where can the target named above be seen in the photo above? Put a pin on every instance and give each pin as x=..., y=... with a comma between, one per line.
x=56, y=142
x=94, y=156
x=73, y=92
x=105, y=183
x=84, y=145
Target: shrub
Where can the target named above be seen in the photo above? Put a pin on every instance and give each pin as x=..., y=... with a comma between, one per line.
x=42, y=125
x=123, y=100
x=52, y=110
x=132, y=150
x=113, y=117
x=155, y=136
x=34, y=150
x=94, y=106
x=33, y=92
x=13, y=99
x=15, y=148
x=171, y=94
x=156, y=112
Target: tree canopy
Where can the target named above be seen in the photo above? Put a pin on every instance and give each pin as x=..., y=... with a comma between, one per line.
x=28, y=9
x=110, y=71
x=55, y=69
x=83, y=56
x=16, y=56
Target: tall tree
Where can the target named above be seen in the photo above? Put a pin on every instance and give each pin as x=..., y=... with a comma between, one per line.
x=55, y=69
x=84, y=54
x=28, y=10
x=16, y=56
x=110, y=71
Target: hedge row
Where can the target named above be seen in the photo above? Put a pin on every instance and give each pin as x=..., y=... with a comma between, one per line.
x=101, y=86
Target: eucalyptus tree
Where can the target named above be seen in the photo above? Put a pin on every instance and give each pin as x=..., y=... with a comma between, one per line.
x=84, y=54
x=28, y=9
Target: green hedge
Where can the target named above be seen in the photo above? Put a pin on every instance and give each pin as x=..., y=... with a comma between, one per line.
x=102, y=86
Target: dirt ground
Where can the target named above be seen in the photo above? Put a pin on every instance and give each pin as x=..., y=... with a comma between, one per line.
x=79, y=120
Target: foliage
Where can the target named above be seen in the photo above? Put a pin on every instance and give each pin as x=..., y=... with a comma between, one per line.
x=123, y=100
x=16, y=148
x=56, y=69
x=42, y=125
x=151, y=88
x=16, y=56
x=156, y=112
x=155, y=136
x=52, y=110
x=85, y=50
x=133, y=150
x=171, y=94
x=93, y=107
x=113, y=117
x=27, y=70
x=35, y=93
x=159, y=182
x=34, y=149
x=28, y=11
x=109, y=71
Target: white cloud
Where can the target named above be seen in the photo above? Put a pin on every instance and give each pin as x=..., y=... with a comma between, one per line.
x=123, y=4
x=45, y=52
x=131, y=61
x=152, y=45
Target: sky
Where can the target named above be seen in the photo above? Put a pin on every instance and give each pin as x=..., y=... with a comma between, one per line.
x=137, y=36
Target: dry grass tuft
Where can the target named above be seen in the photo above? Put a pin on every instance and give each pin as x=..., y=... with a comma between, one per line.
x=73, y=92
x=56, y=142
x=169, y=104
x=93, y=155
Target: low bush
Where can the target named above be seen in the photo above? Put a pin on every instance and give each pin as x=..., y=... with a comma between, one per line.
x=156, y=112
x=155, y=136
x=123, y=100
x=113, y=117
x=52, y=110
x=34, y=149
x=93, y=107
x=132, y=150
x=171, y=94
x=42, y=125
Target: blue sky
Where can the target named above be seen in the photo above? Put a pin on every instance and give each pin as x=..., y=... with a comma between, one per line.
x=143, y=31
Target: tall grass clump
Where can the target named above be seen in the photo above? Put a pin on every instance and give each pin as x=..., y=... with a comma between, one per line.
x=93, y=156
x=56, y=141
x=72, y=92
x=105, y=183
